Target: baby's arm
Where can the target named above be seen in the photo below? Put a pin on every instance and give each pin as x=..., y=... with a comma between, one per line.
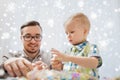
x=88, y=62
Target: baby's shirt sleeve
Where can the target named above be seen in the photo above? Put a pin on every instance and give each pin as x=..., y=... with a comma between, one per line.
x=94, y=52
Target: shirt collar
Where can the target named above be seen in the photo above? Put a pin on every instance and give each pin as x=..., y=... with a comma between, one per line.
x=26, y=56
x=81, y=45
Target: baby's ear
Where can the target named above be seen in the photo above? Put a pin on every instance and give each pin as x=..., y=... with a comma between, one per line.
x=86, y=31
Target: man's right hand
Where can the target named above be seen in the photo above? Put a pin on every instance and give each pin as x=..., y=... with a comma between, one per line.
x=17, y=67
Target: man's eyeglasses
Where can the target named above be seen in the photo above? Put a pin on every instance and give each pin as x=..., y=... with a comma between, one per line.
x=29, y=37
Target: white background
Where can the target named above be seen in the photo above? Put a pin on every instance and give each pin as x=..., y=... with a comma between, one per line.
x=104, y=16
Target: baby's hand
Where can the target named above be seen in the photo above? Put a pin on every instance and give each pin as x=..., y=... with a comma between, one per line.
x=56, y=64
x=57, y=55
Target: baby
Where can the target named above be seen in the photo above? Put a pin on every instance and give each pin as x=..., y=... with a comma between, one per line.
x=82, y=57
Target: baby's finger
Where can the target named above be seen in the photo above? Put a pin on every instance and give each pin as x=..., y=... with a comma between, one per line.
x=54, y=50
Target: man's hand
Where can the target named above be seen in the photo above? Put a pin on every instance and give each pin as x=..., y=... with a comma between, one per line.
x=17, y=67
x=40, y=65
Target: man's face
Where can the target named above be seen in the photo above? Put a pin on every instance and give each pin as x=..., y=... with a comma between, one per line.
x=31, y=38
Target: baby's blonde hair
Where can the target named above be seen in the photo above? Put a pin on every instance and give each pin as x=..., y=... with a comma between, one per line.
x=81, y=18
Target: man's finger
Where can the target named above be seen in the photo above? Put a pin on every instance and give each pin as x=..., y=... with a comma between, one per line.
x=28, y=64
x=23, y=68
x=38, y=62
x=9, y=70
x=16, y=69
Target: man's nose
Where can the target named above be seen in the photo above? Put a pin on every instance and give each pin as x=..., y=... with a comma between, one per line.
x=33, y=40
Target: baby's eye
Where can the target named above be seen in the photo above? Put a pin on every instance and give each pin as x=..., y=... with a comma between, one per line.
x=66, y=33
x=72, y=31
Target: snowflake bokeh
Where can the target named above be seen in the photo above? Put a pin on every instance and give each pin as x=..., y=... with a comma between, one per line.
x=104, y=16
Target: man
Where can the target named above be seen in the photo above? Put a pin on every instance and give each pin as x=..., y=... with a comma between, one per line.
x=20, y=63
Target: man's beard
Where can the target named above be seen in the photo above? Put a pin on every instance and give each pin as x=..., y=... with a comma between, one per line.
x=31, y=51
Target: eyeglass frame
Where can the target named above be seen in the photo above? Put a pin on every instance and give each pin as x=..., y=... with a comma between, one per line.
x=32, y=37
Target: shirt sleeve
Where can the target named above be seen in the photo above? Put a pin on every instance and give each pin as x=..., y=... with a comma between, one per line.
x=3, y=72
x=94, y=52
x=46, y=57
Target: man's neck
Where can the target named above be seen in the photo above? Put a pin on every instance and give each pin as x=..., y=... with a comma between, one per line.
x=31, y=55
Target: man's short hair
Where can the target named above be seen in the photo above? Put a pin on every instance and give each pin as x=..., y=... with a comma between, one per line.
x=30, y=23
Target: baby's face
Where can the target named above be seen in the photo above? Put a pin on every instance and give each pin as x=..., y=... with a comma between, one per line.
x=75, y=32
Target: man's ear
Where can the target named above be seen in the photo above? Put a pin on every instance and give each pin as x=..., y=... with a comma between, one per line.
x=21, y=37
